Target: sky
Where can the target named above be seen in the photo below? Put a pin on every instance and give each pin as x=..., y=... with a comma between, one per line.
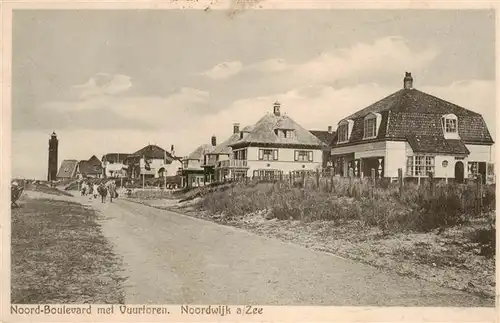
x=117, y=80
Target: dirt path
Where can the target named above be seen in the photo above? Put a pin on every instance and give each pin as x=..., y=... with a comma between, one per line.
x=171, y=258
x=174, y=259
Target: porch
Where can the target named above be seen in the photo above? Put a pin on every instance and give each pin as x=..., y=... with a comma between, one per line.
x=347, y=165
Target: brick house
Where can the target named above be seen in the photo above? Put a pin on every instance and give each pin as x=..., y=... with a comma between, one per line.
x=417, y=132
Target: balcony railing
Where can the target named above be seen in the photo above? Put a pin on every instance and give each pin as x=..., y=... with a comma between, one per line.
x=233, y=163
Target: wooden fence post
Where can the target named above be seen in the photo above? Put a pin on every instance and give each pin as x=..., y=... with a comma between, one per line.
x=432, y=184
x=290, y=179
x=372, y=181
x=479, y=201
x=400, y=180
x=332, y=187
x=317, y=179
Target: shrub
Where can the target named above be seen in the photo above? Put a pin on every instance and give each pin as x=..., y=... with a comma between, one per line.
x=486, y=238
x=341, y=199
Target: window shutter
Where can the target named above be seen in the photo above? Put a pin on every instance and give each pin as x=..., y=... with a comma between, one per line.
x=261, y=154
x=296, y=155
x=275, y=154
x=310, y=155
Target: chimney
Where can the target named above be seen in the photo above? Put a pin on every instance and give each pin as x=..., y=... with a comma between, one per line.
x=408, y=81
x=214, y=141
x=236, y=127
x=329, y=129
x=172, y=151
x=276, y=107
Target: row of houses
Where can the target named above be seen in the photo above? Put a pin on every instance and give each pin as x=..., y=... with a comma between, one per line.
x=409, y=130
x=151, y=161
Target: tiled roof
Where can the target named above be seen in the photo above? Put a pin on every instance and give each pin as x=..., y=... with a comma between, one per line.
x=413, y=112
x=115, y=157
x=413, y=100
x=67, y=169
x=154, y=152
x=437, y=145
x=200, y=151
x=224, y=148
x=325, y=136
x=87, y=167
x=263, y=132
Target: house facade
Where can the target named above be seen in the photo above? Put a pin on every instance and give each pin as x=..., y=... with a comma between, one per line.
x=192, y=172
x=114, y=164
x=416, y=132
x=217, y=160
x=274, y=146
x=91, y=168
x=151, y=162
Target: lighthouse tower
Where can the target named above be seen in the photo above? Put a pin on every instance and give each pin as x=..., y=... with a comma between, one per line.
x=53, y=143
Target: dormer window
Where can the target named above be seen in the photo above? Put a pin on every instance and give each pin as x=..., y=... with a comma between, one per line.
x=344, y=130
x=449, y=123
x=284, y=133
x=371, y=125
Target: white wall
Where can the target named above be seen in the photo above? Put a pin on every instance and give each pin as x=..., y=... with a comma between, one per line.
x=172, y=168
x=448, y=171
x=480, y=153
x=112, y=167
x=286, y=160
x=395, y=157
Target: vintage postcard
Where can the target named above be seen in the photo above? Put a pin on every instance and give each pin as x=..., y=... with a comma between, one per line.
x=248, y=161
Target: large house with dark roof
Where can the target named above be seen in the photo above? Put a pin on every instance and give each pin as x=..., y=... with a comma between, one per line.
x=275, y=145
x=416, y=132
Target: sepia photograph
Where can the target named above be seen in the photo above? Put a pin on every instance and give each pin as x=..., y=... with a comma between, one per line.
x=319, y=157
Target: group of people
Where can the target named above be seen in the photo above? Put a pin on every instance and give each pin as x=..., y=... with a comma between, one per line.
x=102, y=189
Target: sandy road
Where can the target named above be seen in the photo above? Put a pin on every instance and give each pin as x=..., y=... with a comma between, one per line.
x=174, y=259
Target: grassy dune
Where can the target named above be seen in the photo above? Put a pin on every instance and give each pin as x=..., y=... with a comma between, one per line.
x=59, y=255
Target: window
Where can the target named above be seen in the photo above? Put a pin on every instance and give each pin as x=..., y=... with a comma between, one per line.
x=449, y=123
x=282, y=133
x=303, y=155
x=240, y=154
x=419, y=166
x=268, y=154
x=370, y=127
x=343, y=133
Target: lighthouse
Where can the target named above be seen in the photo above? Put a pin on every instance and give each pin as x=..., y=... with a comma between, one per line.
x=53, y=143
